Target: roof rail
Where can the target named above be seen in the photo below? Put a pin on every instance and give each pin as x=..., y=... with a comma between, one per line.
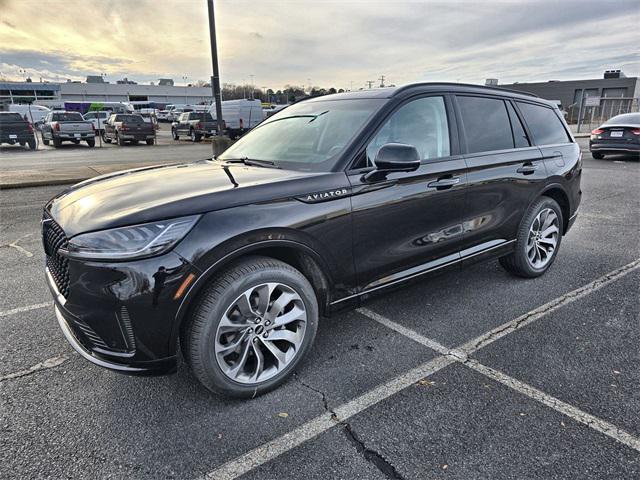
x=484, y=87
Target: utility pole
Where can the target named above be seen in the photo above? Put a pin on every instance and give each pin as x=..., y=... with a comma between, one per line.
x=215, y=79
x=369, y=83
x=381, y=81
x=252, y=88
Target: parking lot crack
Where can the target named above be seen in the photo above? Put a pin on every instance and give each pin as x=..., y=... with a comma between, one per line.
x=325, y=403
x=370, y=455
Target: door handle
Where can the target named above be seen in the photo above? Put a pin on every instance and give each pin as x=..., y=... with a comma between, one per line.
x=527, y=169
x=443, y=183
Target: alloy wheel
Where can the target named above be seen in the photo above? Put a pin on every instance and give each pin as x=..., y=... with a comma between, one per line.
x=543, y=238
x=260, y=333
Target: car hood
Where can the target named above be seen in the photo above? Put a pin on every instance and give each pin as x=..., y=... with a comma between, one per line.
x=154, y=193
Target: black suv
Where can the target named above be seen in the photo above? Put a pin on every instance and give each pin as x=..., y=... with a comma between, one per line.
x=328, y=201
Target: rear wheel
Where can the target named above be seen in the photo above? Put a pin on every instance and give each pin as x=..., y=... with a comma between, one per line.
x=174, y=134
x=91, y=142
x=597, y=156
x=57, y=142
x=119, y=140
x=251, y=327
x=45, y=141
x=32, y=143
x=150, y=141
x=194, y=136
x=105, y=139
x=538, y=240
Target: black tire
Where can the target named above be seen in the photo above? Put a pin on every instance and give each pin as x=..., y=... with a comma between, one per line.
x=174, y=134
x=517, y=262
x=57, y=142
x=151, y=141
x=597, y=156
x=91, y=142
x=45, y=141
x=22, y=143
x=119, y=140
x=32, y=143
x=198, y=337
x=105, y=139
x=195, y=138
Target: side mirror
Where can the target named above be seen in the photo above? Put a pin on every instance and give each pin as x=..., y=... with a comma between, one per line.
x=394, y=157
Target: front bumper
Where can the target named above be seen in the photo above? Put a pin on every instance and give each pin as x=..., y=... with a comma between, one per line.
x=117, y=315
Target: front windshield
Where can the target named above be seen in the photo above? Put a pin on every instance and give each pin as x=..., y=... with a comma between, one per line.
x=307, y=136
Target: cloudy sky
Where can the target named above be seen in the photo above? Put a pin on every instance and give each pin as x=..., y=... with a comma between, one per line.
x=327, y=43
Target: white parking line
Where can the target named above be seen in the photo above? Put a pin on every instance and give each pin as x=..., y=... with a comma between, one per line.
x=26, y=308
x=596, y=423
x=530, y=317
x=276, y=447
x=270, y=450
x=48, y=363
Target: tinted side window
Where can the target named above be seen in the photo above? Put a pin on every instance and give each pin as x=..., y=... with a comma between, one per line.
x=520, y=138
x=486, y=124
x=421, y=123
x=544, y=124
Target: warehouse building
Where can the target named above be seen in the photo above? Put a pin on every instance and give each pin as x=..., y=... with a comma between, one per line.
x=97, y=91
x=610, y=95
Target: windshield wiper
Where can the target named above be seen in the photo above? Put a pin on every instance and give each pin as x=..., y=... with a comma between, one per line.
x=252, y=162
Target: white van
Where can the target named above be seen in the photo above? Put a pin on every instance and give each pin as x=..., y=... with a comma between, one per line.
x=34, y=113
x=239, y=115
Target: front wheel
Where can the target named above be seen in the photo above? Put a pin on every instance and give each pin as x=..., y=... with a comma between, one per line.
x=174, y=134
x=597, y=156
x=538, y=240
x=251, y=327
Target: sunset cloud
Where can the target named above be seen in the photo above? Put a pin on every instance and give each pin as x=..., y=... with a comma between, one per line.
x=328, y=43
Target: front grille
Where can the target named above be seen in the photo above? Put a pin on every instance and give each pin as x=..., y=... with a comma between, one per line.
x=54, y=238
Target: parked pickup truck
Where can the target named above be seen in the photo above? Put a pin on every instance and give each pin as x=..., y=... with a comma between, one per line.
x=128, y=127
x=15, y=129
x=60, y=126
x=194, y=124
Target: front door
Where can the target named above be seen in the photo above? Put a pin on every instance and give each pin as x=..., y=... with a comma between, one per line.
x=410, y=222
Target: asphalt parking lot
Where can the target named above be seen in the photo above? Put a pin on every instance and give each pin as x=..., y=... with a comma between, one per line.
x=474, y=375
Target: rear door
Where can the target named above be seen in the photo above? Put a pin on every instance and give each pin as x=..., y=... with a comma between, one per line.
x=505, y=171
x=410, y=222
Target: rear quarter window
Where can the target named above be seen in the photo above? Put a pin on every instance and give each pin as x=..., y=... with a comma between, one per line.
x=544, y=125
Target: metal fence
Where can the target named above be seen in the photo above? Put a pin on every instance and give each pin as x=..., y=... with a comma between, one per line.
x=593, y=111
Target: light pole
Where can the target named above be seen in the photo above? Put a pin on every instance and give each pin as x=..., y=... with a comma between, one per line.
x=252, y=89
x=215, y=79
x=184, y=78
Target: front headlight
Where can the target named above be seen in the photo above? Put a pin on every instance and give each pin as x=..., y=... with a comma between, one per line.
x=136, y=241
